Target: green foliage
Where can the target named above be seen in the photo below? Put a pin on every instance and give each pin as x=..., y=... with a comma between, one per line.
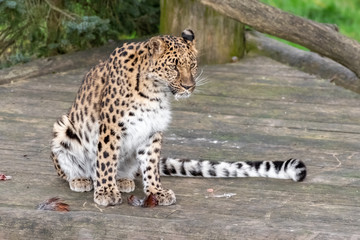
x=345, y=13
x=125, y=16
x=90, y=31
x=37, y=28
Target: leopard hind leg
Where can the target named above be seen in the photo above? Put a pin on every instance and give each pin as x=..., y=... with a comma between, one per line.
x=59, y=171
x=72, y=162
x=77, y=184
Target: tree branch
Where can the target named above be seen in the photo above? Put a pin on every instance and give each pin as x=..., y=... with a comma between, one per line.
x=309, y=62
x=314, y=36
x=61, y=11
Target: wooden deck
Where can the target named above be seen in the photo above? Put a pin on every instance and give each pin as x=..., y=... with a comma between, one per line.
x=251, y=110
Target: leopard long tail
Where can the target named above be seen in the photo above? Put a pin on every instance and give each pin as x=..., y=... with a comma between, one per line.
x=290, y=169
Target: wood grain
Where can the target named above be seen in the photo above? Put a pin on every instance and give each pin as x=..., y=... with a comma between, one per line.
x=256, y=109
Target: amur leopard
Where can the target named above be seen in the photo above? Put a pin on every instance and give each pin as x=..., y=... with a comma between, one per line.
x=114, y=128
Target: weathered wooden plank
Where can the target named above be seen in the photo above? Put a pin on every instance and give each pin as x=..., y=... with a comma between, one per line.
x=323, y=130
x=281, y=102
x=202, y=119
x=268, y=211
x=281, y=92
x=322, y=160
x=298, y=111
x=236, y=129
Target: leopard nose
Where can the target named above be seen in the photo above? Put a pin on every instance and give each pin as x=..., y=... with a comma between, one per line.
x=187, y=87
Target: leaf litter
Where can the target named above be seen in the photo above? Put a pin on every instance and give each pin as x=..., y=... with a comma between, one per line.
x=53, y=204
x=3, y=177
x=149, y=201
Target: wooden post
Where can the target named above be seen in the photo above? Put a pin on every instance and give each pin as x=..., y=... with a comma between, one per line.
x=218, y=38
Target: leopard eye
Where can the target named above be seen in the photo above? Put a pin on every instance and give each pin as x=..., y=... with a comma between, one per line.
x=192, y=65
x=172, y=67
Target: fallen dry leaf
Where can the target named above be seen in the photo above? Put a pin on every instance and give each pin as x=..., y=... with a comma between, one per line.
x=135, y=201
x=3, y=177
x=53, y=204
x=149, y=201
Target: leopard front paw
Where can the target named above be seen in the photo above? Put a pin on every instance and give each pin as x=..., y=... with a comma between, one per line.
x=81, y=185
x=125, y=185
x=165, y=197
x=107, y=196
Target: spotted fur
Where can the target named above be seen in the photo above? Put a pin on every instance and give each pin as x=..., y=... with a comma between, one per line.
x=114, y=127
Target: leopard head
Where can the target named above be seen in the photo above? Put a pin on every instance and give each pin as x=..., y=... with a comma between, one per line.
x=173, y=61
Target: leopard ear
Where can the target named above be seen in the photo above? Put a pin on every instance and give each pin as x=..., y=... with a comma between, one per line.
x=156, y=46
x=188, y=35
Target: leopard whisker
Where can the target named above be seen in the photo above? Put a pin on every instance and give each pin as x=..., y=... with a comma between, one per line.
x=198, y=75
x=200, y=79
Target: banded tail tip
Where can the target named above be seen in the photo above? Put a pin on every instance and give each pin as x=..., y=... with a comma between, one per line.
x=296, y=169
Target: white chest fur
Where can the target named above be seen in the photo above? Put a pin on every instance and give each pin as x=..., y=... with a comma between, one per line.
x=139, y=128
x=145, y=122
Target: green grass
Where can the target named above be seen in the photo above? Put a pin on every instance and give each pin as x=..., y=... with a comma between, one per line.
x=344, y=13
